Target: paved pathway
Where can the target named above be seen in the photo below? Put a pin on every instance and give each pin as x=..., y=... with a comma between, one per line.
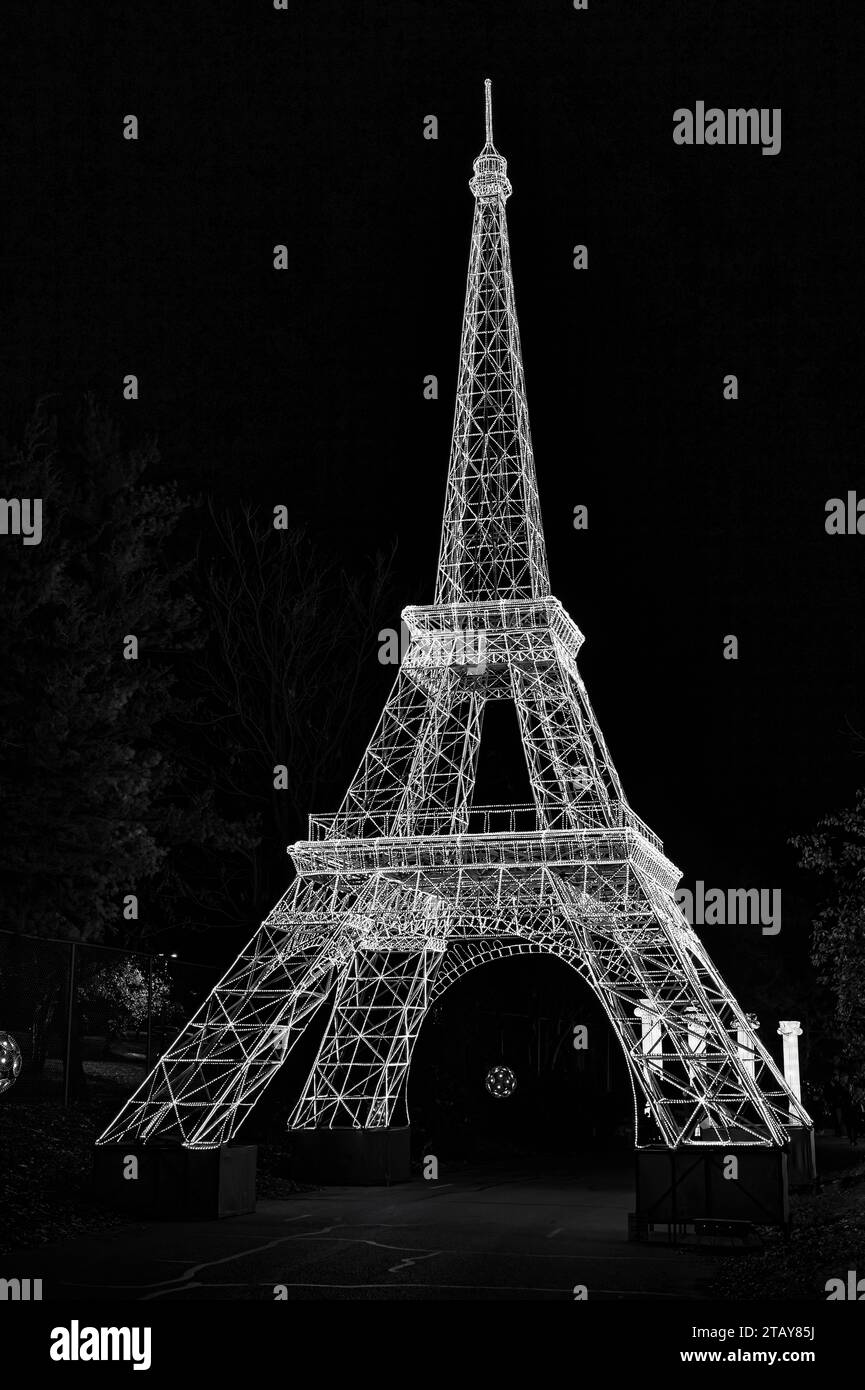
x=475, y=1235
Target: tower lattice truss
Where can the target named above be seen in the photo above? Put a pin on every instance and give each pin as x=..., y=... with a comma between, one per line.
x=410, y=885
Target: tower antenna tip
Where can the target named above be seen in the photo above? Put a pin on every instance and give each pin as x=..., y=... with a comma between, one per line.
x=488, y=103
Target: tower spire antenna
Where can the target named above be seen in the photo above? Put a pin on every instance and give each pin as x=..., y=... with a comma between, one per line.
x=488, y=107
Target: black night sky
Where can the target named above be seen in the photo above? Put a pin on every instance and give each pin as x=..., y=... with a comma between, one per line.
x=304, y=127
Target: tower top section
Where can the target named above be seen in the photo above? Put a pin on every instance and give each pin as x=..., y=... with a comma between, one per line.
x=490, y=178
x=492, y=543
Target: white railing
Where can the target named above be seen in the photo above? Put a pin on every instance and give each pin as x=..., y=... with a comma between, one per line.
x=478, y=820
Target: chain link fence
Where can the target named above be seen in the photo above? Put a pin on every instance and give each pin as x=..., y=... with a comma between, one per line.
x=84, y=1013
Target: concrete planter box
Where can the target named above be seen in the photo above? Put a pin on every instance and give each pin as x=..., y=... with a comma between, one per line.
x=174, y=1182
x=676, y=1188
x=351, y=1157
x=802, y=1159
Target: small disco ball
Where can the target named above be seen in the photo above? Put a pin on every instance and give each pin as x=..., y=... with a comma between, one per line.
x=10, y=1062
x=501, y=1082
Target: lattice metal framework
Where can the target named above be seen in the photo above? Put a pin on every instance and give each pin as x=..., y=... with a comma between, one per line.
x=409, y=885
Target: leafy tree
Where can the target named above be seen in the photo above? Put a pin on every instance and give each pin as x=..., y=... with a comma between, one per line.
x=118, y=991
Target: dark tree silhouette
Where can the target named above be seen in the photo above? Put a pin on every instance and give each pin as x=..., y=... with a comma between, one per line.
x=91, y=805
x=154, y=776
x=290, y=679
x=835, y=853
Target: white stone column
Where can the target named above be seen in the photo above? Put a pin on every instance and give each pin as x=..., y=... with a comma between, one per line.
x=696, y=1029
x=651, y=1041
x=697, y=1026
x=791, y=1032
x=747, y=1042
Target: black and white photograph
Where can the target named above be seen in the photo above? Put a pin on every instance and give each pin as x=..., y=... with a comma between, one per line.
x=432, y=677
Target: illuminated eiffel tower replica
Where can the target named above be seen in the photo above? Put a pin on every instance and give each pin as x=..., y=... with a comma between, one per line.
x=409, y=885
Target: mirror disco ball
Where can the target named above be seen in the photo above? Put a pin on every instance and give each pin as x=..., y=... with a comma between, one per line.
x=501, y=1082
x=10, y=1062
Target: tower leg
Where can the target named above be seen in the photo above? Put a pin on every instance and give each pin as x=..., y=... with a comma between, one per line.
x=359, y=1077
x=206, y=1083
x=641, y=945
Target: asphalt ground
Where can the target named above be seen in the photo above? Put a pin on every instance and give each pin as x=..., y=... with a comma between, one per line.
x=478, y=1234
